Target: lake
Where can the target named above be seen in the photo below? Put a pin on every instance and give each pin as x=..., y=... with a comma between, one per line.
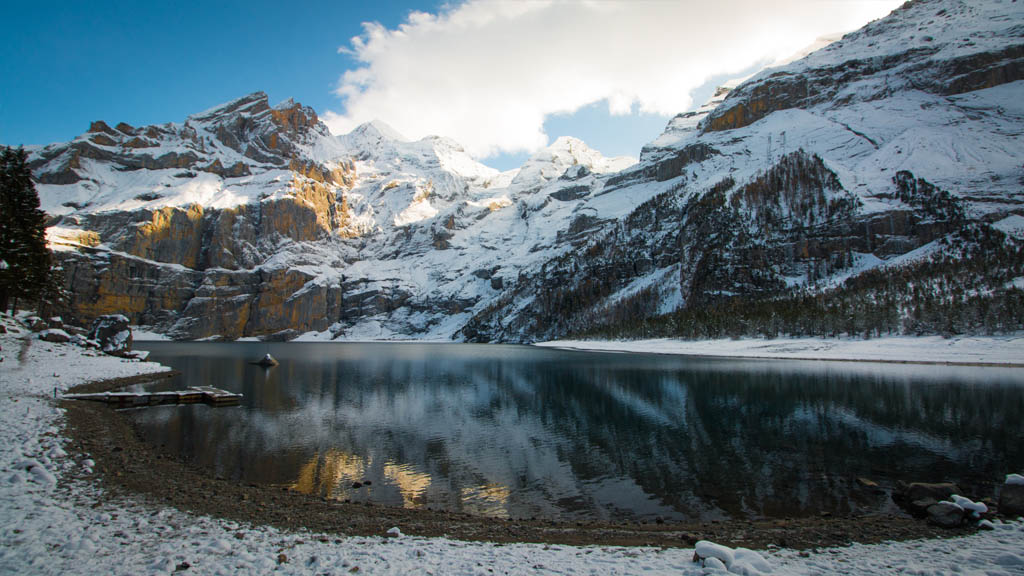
x=521, y=432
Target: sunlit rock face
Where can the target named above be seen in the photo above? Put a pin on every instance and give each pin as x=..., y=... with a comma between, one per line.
x=161, y=221
x=253, y=220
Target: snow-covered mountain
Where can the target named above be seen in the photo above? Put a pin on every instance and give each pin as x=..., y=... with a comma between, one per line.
x=816, y=197
x=252, y=220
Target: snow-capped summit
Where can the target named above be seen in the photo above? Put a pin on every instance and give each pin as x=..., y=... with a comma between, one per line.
x=371, y=136
x=381, y=128
x=566, y=155
x=378, y=144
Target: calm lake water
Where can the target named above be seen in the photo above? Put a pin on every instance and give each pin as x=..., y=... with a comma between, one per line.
x=514, y=431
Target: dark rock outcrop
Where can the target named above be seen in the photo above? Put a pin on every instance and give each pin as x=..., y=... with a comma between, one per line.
x=945, y=514
x=917, y=498
x=673, y=166
x=113, y=334
x=1011, y=500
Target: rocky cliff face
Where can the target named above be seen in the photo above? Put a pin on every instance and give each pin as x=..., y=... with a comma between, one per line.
x=252, y=220
x=181, y=219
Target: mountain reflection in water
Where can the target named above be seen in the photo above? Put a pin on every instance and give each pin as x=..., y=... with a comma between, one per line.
x=512, y=431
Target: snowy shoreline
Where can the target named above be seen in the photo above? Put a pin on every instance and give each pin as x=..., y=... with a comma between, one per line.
x=996, y=351
x=992, y=351
x=56, y=519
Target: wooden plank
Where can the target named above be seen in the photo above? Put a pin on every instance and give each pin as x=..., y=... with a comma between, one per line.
x=217, y=396
x=208, y=394
x=211, y=390
x=189, y=396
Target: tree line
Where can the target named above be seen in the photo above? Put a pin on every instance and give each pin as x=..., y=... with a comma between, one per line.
x=28, y=277
x=970, y=285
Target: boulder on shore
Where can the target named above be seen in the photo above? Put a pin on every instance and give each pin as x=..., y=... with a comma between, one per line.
x=113, y=333
x=917, y=497
x=35, y=323
x=54, y=335
x=1011, y=497
x=945, y=514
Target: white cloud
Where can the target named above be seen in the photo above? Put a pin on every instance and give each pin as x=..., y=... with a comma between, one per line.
x=486, y=73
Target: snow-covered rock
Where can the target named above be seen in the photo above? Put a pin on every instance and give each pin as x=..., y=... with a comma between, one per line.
x=975, y=509
x=54, y=335
x=113, y=334
x=707, y=549
x=736, y=561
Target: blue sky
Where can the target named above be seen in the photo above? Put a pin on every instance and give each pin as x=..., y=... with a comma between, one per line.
x=502, y=78
x=69, y=62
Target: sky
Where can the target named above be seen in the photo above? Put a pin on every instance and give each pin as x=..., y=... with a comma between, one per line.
x=503, y=78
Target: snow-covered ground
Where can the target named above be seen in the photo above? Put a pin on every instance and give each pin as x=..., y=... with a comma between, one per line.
x=141, y=334
x=930, y=349
x=53, y=527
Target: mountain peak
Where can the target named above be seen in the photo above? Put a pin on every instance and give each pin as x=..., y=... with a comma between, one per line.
x=286, y=104
x=566, y=153
x=568, y=143
x=377, y=128
x=571, y=150
x=252, y=103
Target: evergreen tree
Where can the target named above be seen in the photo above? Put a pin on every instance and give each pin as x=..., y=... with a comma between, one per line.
x=25, y=272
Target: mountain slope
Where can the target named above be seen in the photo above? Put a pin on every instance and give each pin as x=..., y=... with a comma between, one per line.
x=891, y=144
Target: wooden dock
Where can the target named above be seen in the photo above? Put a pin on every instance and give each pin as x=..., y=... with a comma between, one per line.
x=194, y=394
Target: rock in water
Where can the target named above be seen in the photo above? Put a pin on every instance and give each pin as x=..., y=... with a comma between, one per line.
x=113, y=334
x=267, y=361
